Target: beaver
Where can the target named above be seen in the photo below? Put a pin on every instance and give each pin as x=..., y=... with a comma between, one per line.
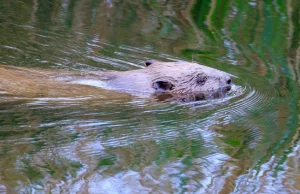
x=161, y=80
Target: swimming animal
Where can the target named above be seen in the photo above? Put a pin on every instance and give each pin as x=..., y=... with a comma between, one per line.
x=160, y=80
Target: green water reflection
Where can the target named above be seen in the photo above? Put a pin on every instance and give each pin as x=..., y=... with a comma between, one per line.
x=248, y=143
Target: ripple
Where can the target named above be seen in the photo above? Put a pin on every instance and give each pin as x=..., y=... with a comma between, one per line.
x=12, y=48
x=246, y=142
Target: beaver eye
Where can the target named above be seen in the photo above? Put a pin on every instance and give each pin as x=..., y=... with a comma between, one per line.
x=201, y=80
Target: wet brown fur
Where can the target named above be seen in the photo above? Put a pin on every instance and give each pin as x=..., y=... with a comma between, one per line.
x=174, y=78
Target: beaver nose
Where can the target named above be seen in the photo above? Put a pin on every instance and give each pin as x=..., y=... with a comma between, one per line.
x=228, y=81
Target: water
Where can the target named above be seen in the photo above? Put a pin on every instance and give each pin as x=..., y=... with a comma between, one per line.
x=247, y=142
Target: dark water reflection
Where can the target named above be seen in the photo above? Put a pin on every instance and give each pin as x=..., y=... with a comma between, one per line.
x=247, y=142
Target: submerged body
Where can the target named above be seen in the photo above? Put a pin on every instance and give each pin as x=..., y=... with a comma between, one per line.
x=162, y=80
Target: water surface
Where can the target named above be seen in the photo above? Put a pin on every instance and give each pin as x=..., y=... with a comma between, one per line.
x=247, y=142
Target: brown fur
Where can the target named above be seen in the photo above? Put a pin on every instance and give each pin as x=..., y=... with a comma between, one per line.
x=171, y=78
x=31, y=82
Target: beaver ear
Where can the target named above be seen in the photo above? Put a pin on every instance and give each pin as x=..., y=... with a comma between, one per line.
x=163, y=86
x=149, y=62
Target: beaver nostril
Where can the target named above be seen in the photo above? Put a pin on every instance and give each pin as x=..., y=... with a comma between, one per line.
x=229, y=81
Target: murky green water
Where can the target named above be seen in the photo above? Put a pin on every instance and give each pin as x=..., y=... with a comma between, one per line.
x=245, y=143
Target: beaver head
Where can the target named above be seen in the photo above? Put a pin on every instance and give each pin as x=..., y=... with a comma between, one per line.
x=179, y=80
x=182, y=78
